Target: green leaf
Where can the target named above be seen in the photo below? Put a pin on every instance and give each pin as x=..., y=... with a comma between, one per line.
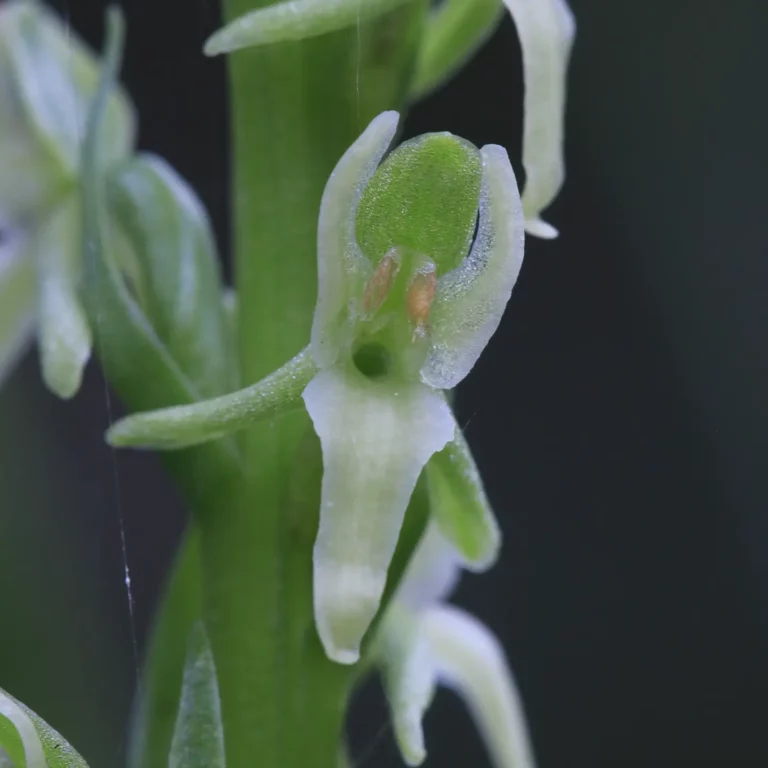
x=30, y=742
x=47, y=78
x=459, y=504
x=186, y=425
x=454, y=31
x=198, y=739
x=64, y=336
x=17, y=300
x=471, y=299
x=546, y=29
x=295, y=20
x=171, y=237
x=423, y=198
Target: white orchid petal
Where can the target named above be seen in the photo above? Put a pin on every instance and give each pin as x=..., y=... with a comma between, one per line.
x=64, y=336
x=432, y=573
x=376, y=438
x=546, y=29
x=471, y=299
x=469, y=659
x=409, y=678
x=341, y=266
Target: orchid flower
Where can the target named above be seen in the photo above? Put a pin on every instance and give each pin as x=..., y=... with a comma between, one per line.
x=405, y=307
x=47, y=78
x=386, y=339
x=423, y=641
x=456, y=28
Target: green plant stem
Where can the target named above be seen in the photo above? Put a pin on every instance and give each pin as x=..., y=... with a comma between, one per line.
x=295, y=108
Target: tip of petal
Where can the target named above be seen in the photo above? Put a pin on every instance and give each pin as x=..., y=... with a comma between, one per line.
x=410, y=739
x=346, y=601
x=215, y=45
x=539, y=228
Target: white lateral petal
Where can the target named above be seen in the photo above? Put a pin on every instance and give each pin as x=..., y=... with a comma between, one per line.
x=64, y=336
x=546, y=29
x=376, y=438
x=469, y=659
x=409, y=679
x=341, y=266
x=471, y=299
x=432, y=573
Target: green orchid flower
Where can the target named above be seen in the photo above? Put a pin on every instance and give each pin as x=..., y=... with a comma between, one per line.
x=405, y=307
x=424, y=641
x=387, y=338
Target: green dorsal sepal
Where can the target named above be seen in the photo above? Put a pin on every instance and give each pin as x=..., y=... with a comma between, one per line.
x=424, y=198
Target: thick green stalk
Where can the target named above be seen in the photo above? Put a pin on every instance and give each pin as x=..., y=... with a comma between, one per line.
x=295, y=108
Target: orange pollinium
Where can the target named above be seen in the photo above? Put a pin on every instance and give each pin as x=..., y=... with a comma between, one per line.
x=420, y=295
x=381, y=281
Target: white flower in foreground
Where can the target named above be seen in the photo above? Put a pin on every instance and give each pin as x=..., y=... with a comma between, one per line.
x=386, y=338
x=406, y=303
x=424, y=642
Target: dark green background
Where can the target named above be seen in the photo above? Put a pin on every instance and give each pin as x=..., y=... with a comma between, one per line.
x=620, y=415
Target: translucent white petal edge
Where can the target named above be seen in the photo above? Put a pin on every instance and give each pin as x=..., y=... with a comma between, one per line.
x=340, y=263
x=375, y=439
x=469, y=659
x=470, y=300
x=30, y=741
x=546, y=29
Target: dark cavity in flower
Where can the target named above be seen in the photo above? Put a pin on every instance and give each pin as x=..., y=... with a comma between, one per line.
x=372, y=360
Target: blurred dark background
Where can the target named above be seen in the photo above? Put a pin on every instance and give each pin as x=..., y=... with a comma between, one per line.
x=619, y=416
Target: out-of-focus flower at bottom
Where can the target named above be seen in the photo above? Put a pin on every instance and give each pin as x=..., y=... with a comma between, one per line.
x=423, y=642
